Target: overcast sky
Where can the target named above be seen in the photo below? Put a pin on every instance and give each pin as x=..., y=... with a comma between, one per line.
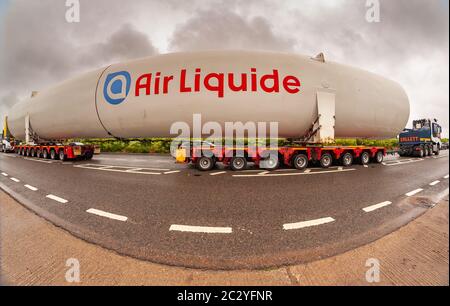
x=410, y=44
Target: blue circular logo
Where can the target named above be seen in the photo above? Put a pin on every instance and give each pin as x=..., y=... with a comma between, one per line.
x=117, y=87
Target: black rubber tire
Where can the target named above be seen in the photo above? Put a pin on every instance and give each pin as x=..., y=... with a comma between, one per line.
x=270, y=164
x=205, y=163
x=379, y=157
x=61, y=155
x=326, y=161
x=347, y=160
x=364, y=158
x=300, y=162
x=45, y=154
x=421, y=153
x=38, y=153
x=437, y=152
x=33, y=153
x=53, y=155
x=238, y=163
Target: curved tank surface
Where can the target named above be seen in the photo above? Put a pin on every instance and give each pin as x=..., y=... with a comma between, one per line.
x=143, y=98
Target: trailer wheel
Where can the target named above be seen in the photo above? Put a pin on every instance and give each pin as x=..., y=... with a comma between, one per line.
x=326, y=160
x=238, y=163
x=62, y=156
x=437, y=152
x=33, y=153
x=379, y=157
x=38, y=153
x=45, y=154
x=205, y=163
x=365, y=158
x=300, y=162
x=347, y=160
x=271, y=163
x=53, y=154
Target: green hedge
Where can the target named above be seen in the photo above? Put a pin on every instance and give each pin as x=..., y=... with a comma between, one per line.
x=162, y=145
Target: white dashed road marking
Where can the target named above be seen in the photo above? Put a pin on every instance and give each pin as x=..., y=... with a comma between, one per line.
x=57, y=199
x=218, y=173
x=31, y=187
x=106, y=214
x=4, y=174
x=15, y=180
x=172, y=172
x=434, y=183
x=446, y=177
x=201, y=229
x=307, y=171
x=377, y=206
x=300, y=225
x=414, y=192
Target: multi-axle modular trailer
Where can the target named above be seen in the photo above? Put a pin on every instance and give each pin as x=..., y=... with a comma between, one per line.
x=205, y=157
x=57, y=151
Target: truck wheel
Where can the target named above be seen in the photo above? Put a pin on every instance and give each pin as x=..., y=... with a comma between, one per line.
x=33, y=153
x=326, y=160
x=45, y=154
x=38, y=153
x=347, y=160
x=421, y=153
x=62, y=156
x=300, y=162
x=238, y=163
x=365, y=158
x=437, y=152
x=205, y=163
x=379, y=157
x=53, y=155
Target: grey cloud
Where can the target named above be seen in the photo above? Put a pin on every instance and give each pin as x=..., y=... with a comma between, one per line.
x=225, y=29
x=41, y=47
x=127, y=43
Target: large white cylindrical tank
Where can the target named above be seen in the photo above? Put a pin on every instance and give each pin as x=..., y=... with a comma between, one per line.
x=143, y=98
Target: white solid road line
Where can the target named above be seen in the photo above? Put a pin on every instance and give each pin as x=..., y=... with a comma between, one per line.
x=377, y=206
x=15, y=180
x=341, y=168
x=106, y=214
x=201, y=229
x=292, y=174
x=300, y=225
x=365, y=166
x=307, y=171
x=57, y=199
x=264, y=173
x=434, y=183
x=31, y=187
x=114, y=170
x=446, y=177
x=218, y=173
x=414, y=192
x=4, y=174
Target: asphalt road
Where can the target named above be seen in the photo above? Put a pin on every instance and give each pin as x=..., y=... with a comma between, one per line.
x=150, y=208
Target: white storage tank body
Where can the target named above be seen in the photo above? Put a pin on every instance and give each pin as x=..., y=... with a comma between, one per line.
x=143, y=98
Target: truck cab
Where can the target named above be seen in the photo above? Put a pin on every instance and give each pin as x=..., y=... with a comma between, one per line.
x=424, y=139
